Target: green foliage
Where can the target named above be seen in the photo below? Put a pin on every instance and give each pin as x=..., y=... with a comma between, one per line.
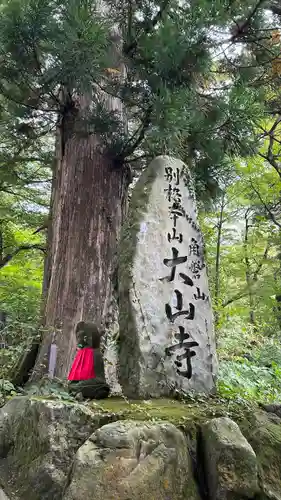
x=250, y=381
x=190, y=85
x=7, y=390
x=250, y=363
x=21, y=278
x=54, y=42
x=20, y=294
x=175, y=98
x=6, y=386
x=242, y=237
x=252, y=198
x=53, y=389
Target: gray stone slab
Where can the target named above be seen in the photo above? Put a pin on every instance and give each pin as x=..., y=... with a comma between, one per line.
x=165, y=315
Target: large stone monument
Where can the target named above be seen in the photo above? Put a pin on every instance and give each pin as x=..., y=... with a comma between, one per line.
x=166, y=339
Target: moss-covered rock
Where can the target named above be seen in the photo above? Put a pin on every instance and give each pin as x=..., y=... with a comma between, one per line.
x=229, y=460
x=187, y=415
x=133, y=460
x=38, y=439
x=263, y=431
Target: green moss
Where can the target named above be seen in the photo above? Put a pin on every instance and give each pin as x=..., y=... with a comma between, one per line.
x=128, y=345
x=187, y=416
x=191, y=491
x=227, y=456
x=181, y=413
x=263, y=431
x=29, y=443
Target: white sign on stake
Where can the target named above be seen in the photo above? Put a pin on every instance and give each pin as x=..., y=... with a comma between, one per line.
x=52, y=360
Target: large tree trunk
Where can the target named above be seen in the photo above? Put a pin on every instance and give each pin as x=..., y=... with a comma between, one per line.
x=48, y=258
x=89, y=196
x=87, y=214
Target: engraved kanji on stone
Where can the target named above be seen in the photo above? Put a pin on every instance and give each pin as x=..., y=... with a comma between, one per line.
x=194, y=248
x=173, y=194
x=186, y=279
x=195, y=267
x=188, y=313
x=174, y=236
x=187, y=355
x=176, y=196
x=168, y=192
x=200, y=295
x=182, y=338
x=176, y=211
x=175, y=261
x=172, y=174
x=183, y=343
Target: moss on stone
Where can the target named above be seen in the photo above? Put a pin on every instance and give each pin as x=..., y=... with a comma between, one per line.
x=263, y=431
x=229, y=460
x=28, y=443
x=43, y=436
x=187, y=416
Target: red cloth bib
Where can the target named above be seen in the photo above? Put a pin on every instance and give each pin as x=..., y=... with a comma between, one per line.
x=83, y=365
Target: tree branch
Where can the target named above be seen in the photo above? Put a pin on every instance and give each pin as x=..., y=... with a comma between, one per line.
x=137, y=137
x=4, y=261
x=245, y=292
x=147, y=28
x=242, y=28
x=238, y=296
x=29, y=197
x=271, y=215
x=275, y=9
x=270, y=157
x=25, y=104
x=42, y=228
x=259, y=266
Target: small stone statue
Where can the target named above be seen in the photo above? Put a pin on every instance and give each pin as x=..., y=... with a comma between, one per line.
x=87, y=376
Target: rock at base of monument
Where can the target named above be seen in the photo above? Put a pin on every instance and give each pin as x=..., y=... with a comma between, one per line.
x=272, y=408
x=166, y=340
x=90, y=389
x=230, y=462
x=38, y=440
x=133, y=460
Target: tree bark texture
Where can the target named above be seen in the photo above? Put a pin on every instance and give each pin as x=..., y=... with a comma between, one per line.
x=48, y=258
x=87, y=207
x=89, y=197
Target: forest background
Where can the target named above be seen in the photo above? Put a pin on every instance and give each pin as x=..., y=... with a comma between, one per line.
x=206, y=76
